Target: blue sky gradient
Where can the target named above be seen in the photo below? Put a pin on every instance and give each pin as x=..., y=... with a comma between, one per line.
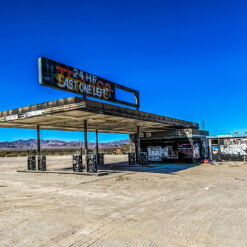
x=187, y=58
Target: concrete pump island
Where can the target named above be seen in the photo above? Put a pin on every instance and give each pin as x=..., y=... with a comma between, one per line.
x=157, y=194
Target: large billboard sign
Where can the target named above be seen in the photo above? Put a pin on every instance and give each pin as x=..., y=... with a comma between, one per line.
x=56, y=75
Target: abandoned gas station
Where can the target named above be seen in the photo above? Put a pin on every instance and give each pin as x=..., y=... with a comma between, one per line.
x=156, y=138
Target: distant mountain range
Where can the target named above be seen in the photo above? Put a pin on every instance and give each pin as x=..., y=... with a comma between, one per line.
x=56, y=144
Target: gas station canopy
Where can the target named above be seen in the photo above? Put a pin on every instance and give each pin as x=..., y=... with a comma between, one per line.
x=69, y=114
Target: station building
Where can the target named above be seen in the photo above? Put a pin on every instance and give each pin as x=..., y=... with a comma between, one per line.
x=180, y=145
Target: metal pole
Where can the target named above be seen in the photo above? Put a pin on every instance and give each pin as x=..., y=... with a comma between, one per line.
x=137, y=100
x=138, y=143
x=97, y=146
x=203, y=125
x=85, y=142
x=136, y=151
x=130, y=144
x=38, y=140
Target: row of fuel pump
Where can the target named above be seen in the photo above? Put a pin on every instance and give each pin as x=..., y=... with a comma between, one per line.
x=92, y=161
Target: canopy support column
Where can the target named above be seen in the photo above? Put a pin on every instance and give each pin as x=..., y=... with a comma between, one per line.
x=38, y=140
x=138, y=144
x=97, y=146
x=130, y=144
x=85, y=143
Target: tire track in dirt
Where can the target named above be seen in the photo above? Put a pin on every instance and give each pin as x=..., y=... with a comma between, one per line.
x=108, y=225
x=135, y=214
x=125, y=220
x=189, y=229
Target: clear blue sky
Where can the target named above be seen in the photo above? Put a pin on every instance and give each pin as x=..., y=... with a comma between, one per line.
x=187, y=58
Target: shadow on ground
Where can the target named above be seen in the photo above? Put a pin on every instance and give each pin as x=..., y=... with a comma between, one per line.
x=167, y=168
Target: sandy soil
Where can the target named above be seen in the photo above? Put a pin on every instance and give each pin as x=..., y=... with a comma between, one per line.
x=170, y=205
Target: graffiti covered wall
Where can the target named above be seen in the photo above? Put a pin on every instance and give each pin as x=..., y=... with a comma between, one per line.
x=228, y=149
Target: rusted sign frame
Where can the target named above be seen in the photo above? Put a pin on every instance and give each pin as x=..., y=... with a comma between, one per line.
x=47, y=78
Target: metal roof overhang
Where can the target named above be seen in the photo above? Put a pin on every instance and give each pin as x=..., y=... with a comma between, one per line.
x=69, y=114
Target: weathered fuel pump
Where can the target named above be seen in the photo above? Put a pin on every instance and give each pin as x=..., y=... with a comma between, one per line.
x=143, y=159
x=91, y=163
x=42, y=162
x=132, y=158
x=77, y=162
x=101, y=160
x=31, y=162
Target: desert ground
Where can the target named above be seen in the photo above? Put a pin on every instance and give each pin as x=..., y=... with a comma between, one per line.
x=165, y=205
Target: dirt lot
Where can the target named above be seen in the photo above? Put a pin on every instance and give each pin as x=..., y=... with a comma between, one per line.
x=169, y=205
